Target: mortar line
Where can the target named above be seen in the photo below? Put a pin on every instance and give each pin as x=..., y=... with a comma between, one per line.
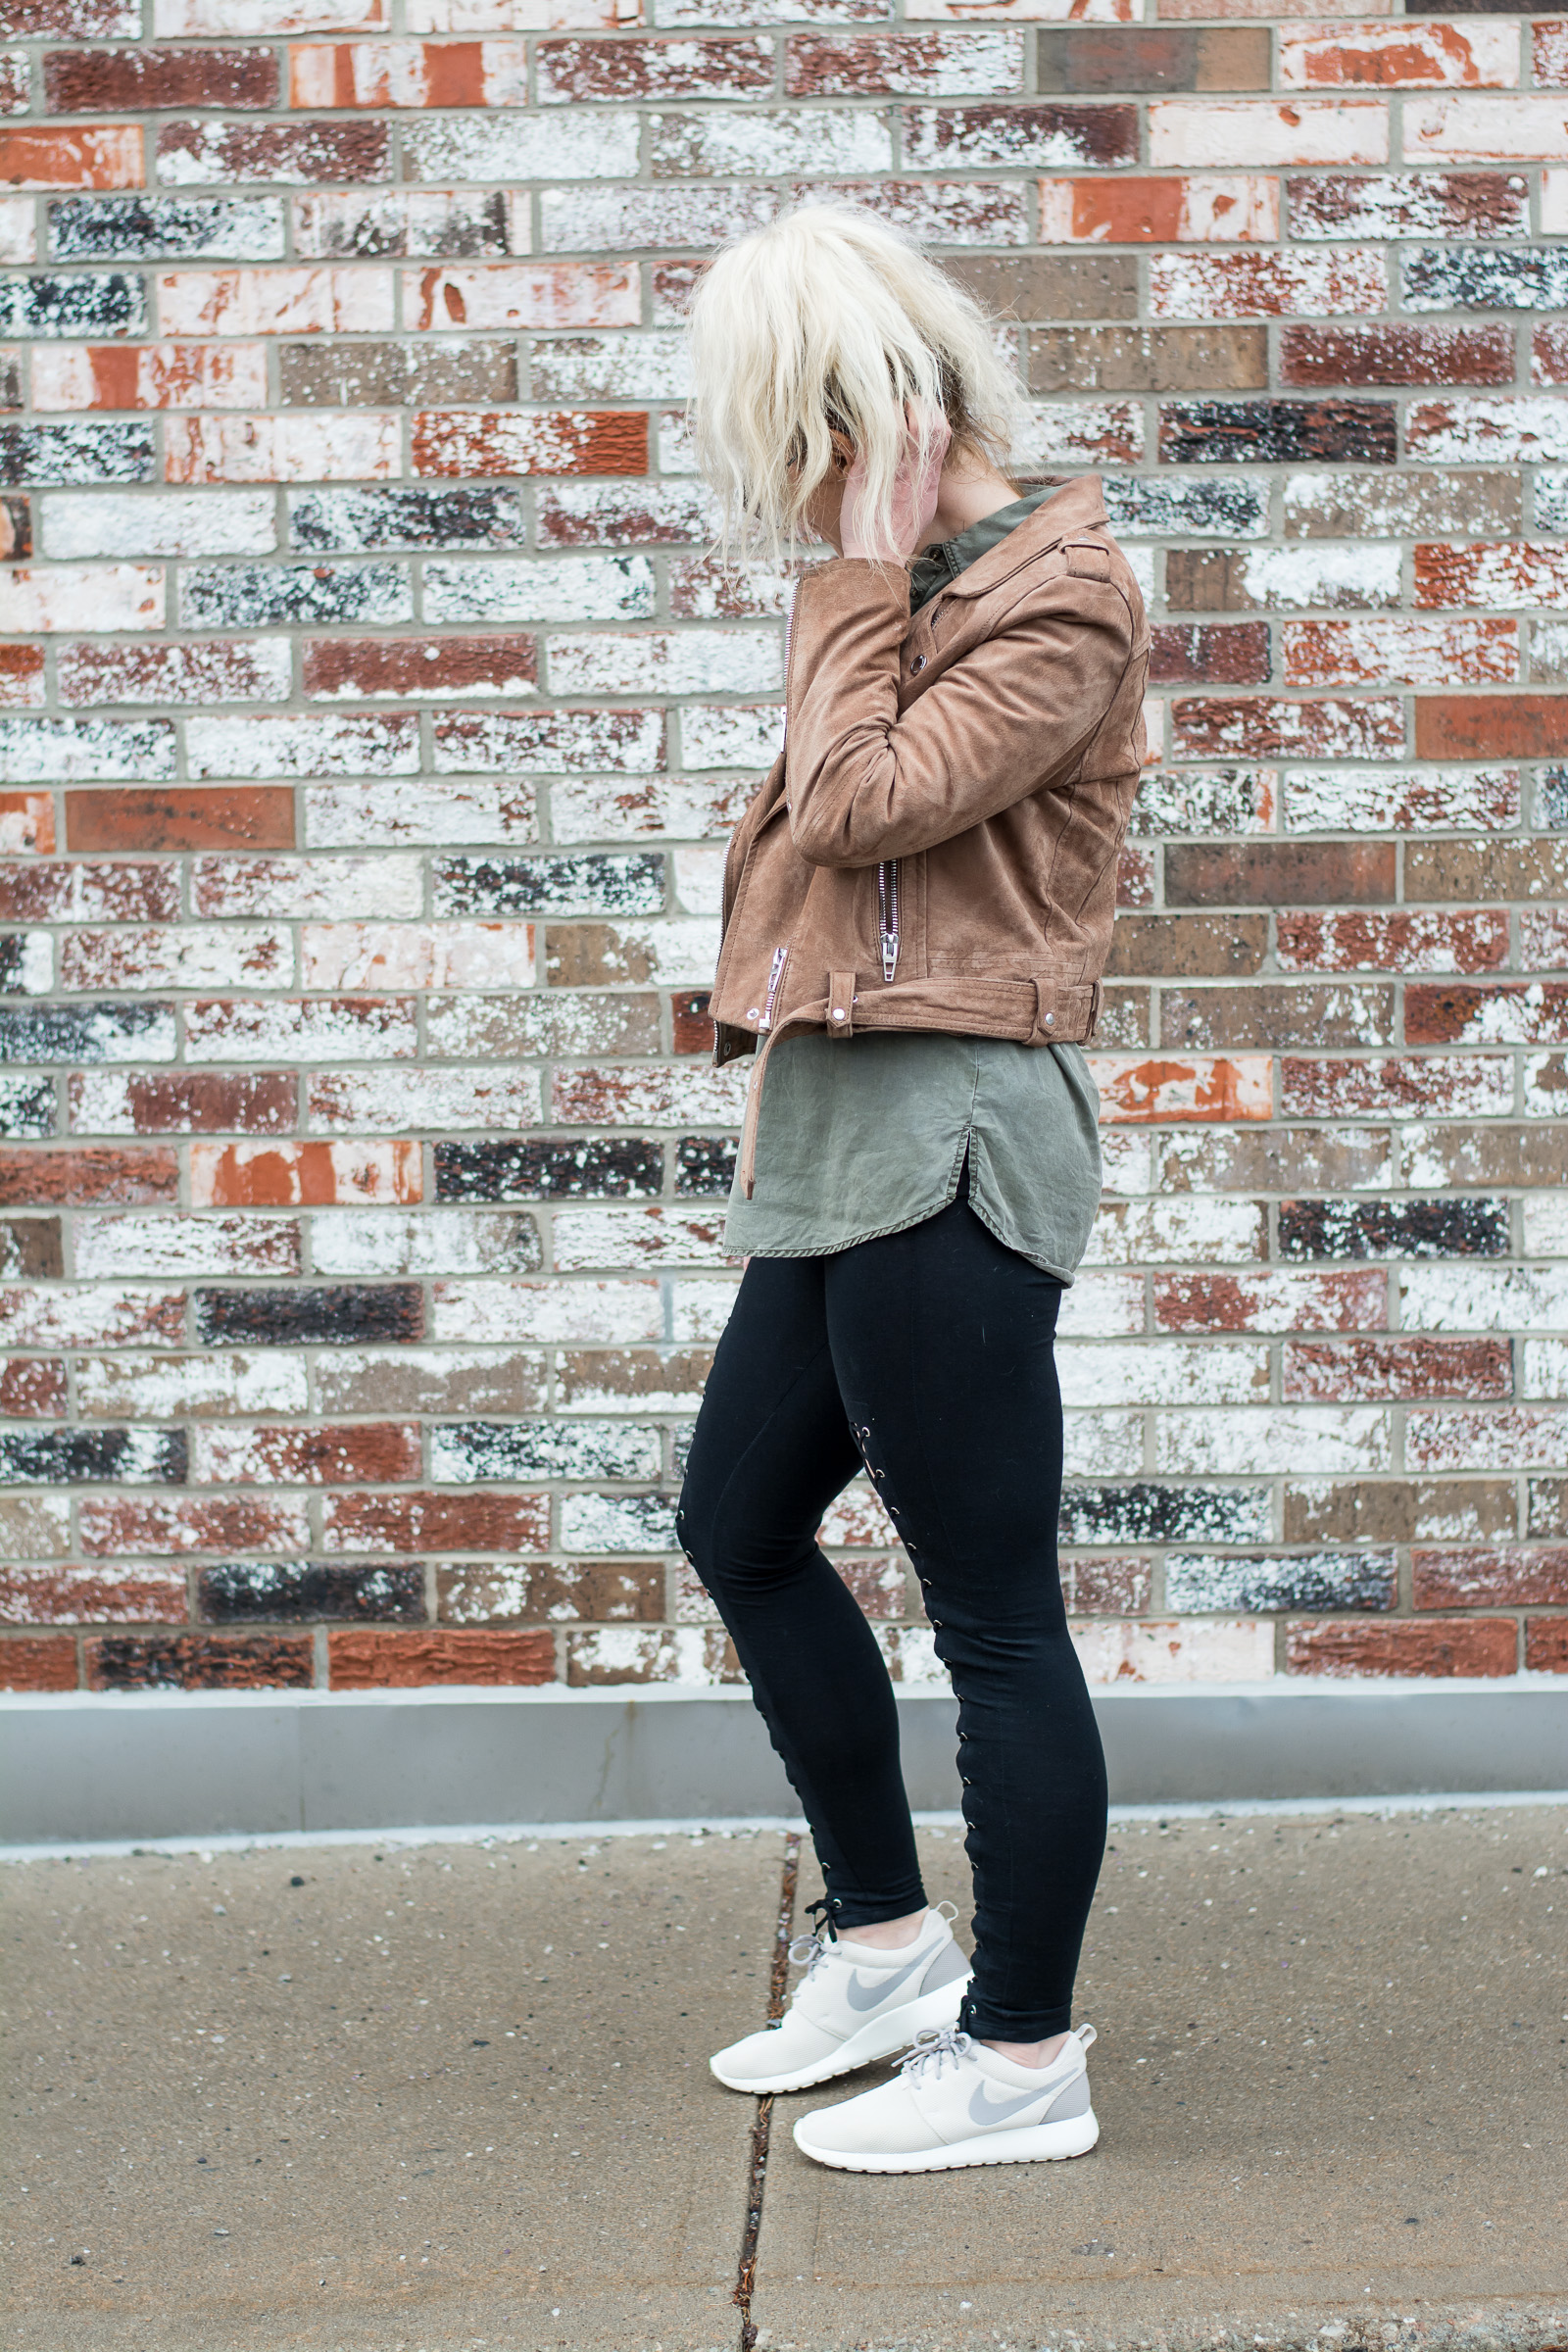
x=762, y=2128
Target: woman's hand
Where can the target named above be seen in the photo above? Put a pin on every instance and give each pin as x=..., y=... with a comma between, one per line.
x=915, y=489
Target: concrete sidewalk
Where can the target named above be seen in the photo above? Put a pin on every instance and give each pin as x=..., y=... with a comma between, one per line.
x=383, y=2099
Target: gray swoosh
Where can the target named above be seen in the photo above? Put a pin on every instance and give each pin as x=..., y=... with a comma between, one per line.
x=983, y=2111
x=866, y=1996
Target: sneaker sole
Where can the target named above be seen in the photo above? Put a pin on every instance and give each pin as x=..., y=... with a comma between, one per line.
x=1043, y=2143
x=879, y=2040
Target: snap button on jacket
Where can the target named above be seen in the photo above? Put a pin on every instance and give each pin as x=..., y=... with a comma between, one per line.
x=936, y=846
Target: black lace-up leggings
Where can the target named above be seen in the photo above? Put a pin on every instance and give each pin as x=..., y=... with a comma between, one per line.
x=930, y=1352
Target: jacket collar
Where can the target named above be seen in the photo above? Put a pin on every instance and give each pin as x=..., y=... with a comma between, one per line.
x=1076, y=507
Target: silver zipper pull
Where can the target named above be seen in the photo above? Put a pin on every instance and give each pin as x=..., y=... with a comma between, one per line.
x=775, y=975
x=887, y=906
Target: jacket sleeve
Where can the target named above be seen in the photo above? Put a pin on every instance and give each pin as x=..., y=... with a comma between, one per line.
x=866, y=784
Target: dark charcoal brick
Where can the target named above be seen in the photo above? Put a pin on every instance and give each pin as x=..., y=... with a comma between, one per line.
x=78, y=304
x=31, y=1247
x=18, y=513
x=76, y=1457
x=463, y=1452
x=1552, y=800
x=12, y=964
x=134, y=229
x=599, y=883
x=1277, y=432
x=46, y=453
x=11, y=384
x=1141, y=508
x=1468, y=1228
x=27, y=1106
x=1152, y=1514
x=336, y=1315
x=578, y=1168
x=255, y=596
x=1410, y=204
x=705, y=1166
x=346, y=521
x=1480, y=277
x=1469, y=8
x=236, y=1591
x=128, y=81
x=1212, y=57
x=79, y=1033
x=1325, y=1579
x=198, y=1662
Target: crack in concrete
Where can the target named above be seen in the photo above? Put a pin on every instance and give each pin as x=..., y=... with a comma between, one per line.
x=757, y=2168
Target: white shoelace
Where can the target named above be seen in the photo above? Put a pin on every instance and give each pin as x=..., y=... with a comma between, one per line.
x=933, y=2047
x=810, y=1952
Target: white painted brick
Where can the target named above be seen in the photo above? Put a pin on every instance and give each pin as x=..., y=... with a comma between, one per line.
x=563, y=588
x=1320, y=576
x=700, y=1311
x=720, y=735
x=197, y=956
x=82, y=1315
x=741, y=144
x=1072, y=431
x=1483, y=431
x=693, y=661
x=176, y=1388
x=377, y=955
x=1101, y=1306
x=593, y=143
x=603, y=1314
x=1197, y=1230
x=1245, y=1440
x=1456, y=1297
x=311, y=745
x=300, y=886
x=408, y=1101
x=1505, y=1437
x=18, y=235
x=174, y=1245
x=1104, y=1445
x=584, y=1239
x=1546, y=1217
x=1164, y=1372
x=32, y=973
x=1207, y=132
x=97, y=596
x=627, y=809
x=369, y=1242
x=258, y=1031
x=621, y=1523
x=446, y=814
x=157, y=522
x=1193, y=1649
x=1545, y=1368
x=630, y=220
x=619, y=367
x=698, y=881
x=1554, y=203
x=1372, y=799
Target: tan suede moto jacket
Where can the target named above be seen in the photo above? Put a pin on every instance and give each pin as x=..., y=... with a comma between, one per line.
x=936, y=846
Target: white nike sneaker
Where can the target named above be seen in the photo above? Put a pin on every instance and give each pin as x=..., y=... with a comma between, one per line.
x=956, y=2103
x=854, y=2004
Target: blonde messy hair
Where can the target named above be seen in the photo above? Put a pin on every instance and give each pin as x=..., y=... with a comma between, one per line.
x=826, y=320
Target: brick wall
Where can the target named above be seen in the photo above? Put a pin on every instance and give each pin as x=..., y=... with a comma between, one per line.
x=373, y=719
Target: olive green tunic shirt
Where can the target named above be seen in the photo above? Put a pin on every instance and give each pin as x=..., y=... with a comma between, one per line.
x=867, y=1135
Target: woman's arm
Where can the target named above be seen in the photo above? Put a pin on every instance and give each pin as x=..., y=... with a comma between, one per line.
x=866, y=784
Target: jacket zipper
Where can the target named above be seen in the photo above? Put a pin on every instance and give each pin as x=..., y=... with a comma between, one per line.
x=887, y=914
x=781, y=956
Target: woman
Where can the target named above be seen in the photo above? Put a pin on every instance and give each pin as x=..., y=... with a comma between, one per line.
x=917, y=906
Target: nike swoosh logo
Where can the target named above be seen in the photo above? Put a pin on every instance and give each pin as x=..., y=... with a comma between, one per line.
x=866, y=1996
x=983, y=2110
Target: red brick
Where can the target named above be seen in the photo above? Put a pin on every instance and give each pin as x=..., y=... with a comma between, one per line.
x=290, y=1455
x=83, y=893
x=1268, y=874
x=383, y=73
x=1185, y=1088
x=1517, y=1013
x=198, y=1103
x=32, y=1387
x=93, y=82
x=434, y=1522
x=1135, y=876
x=1548, y=354
x=299, y=153
x=1320, y=1372
x=522, y=294
x=1393, y=943
x=1211, y=654
x=33, y=1179
x=1397, y=57
x=1258, y=728
x=1499, y=1577
x=1506, y=573
x=361, y=1660
x=692, y=1025
x=1458, y=1645
x=349, y=667
x=38, y=1662
x=1397, y=354
x=180, y=817
x=125, y=1526
x=1350, y=1301
x=21, y=686
x=198, y=1662
x=1161, y=212
x=461, y=442
x=882, y=65
x=311, y=1175
x=1493, y=726
x=1550, y=46
x=26, y=824
x=1407, y=651
x=118, y=1594
x=1546, y=1645
x=109, y=156
x=1445, y=1086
